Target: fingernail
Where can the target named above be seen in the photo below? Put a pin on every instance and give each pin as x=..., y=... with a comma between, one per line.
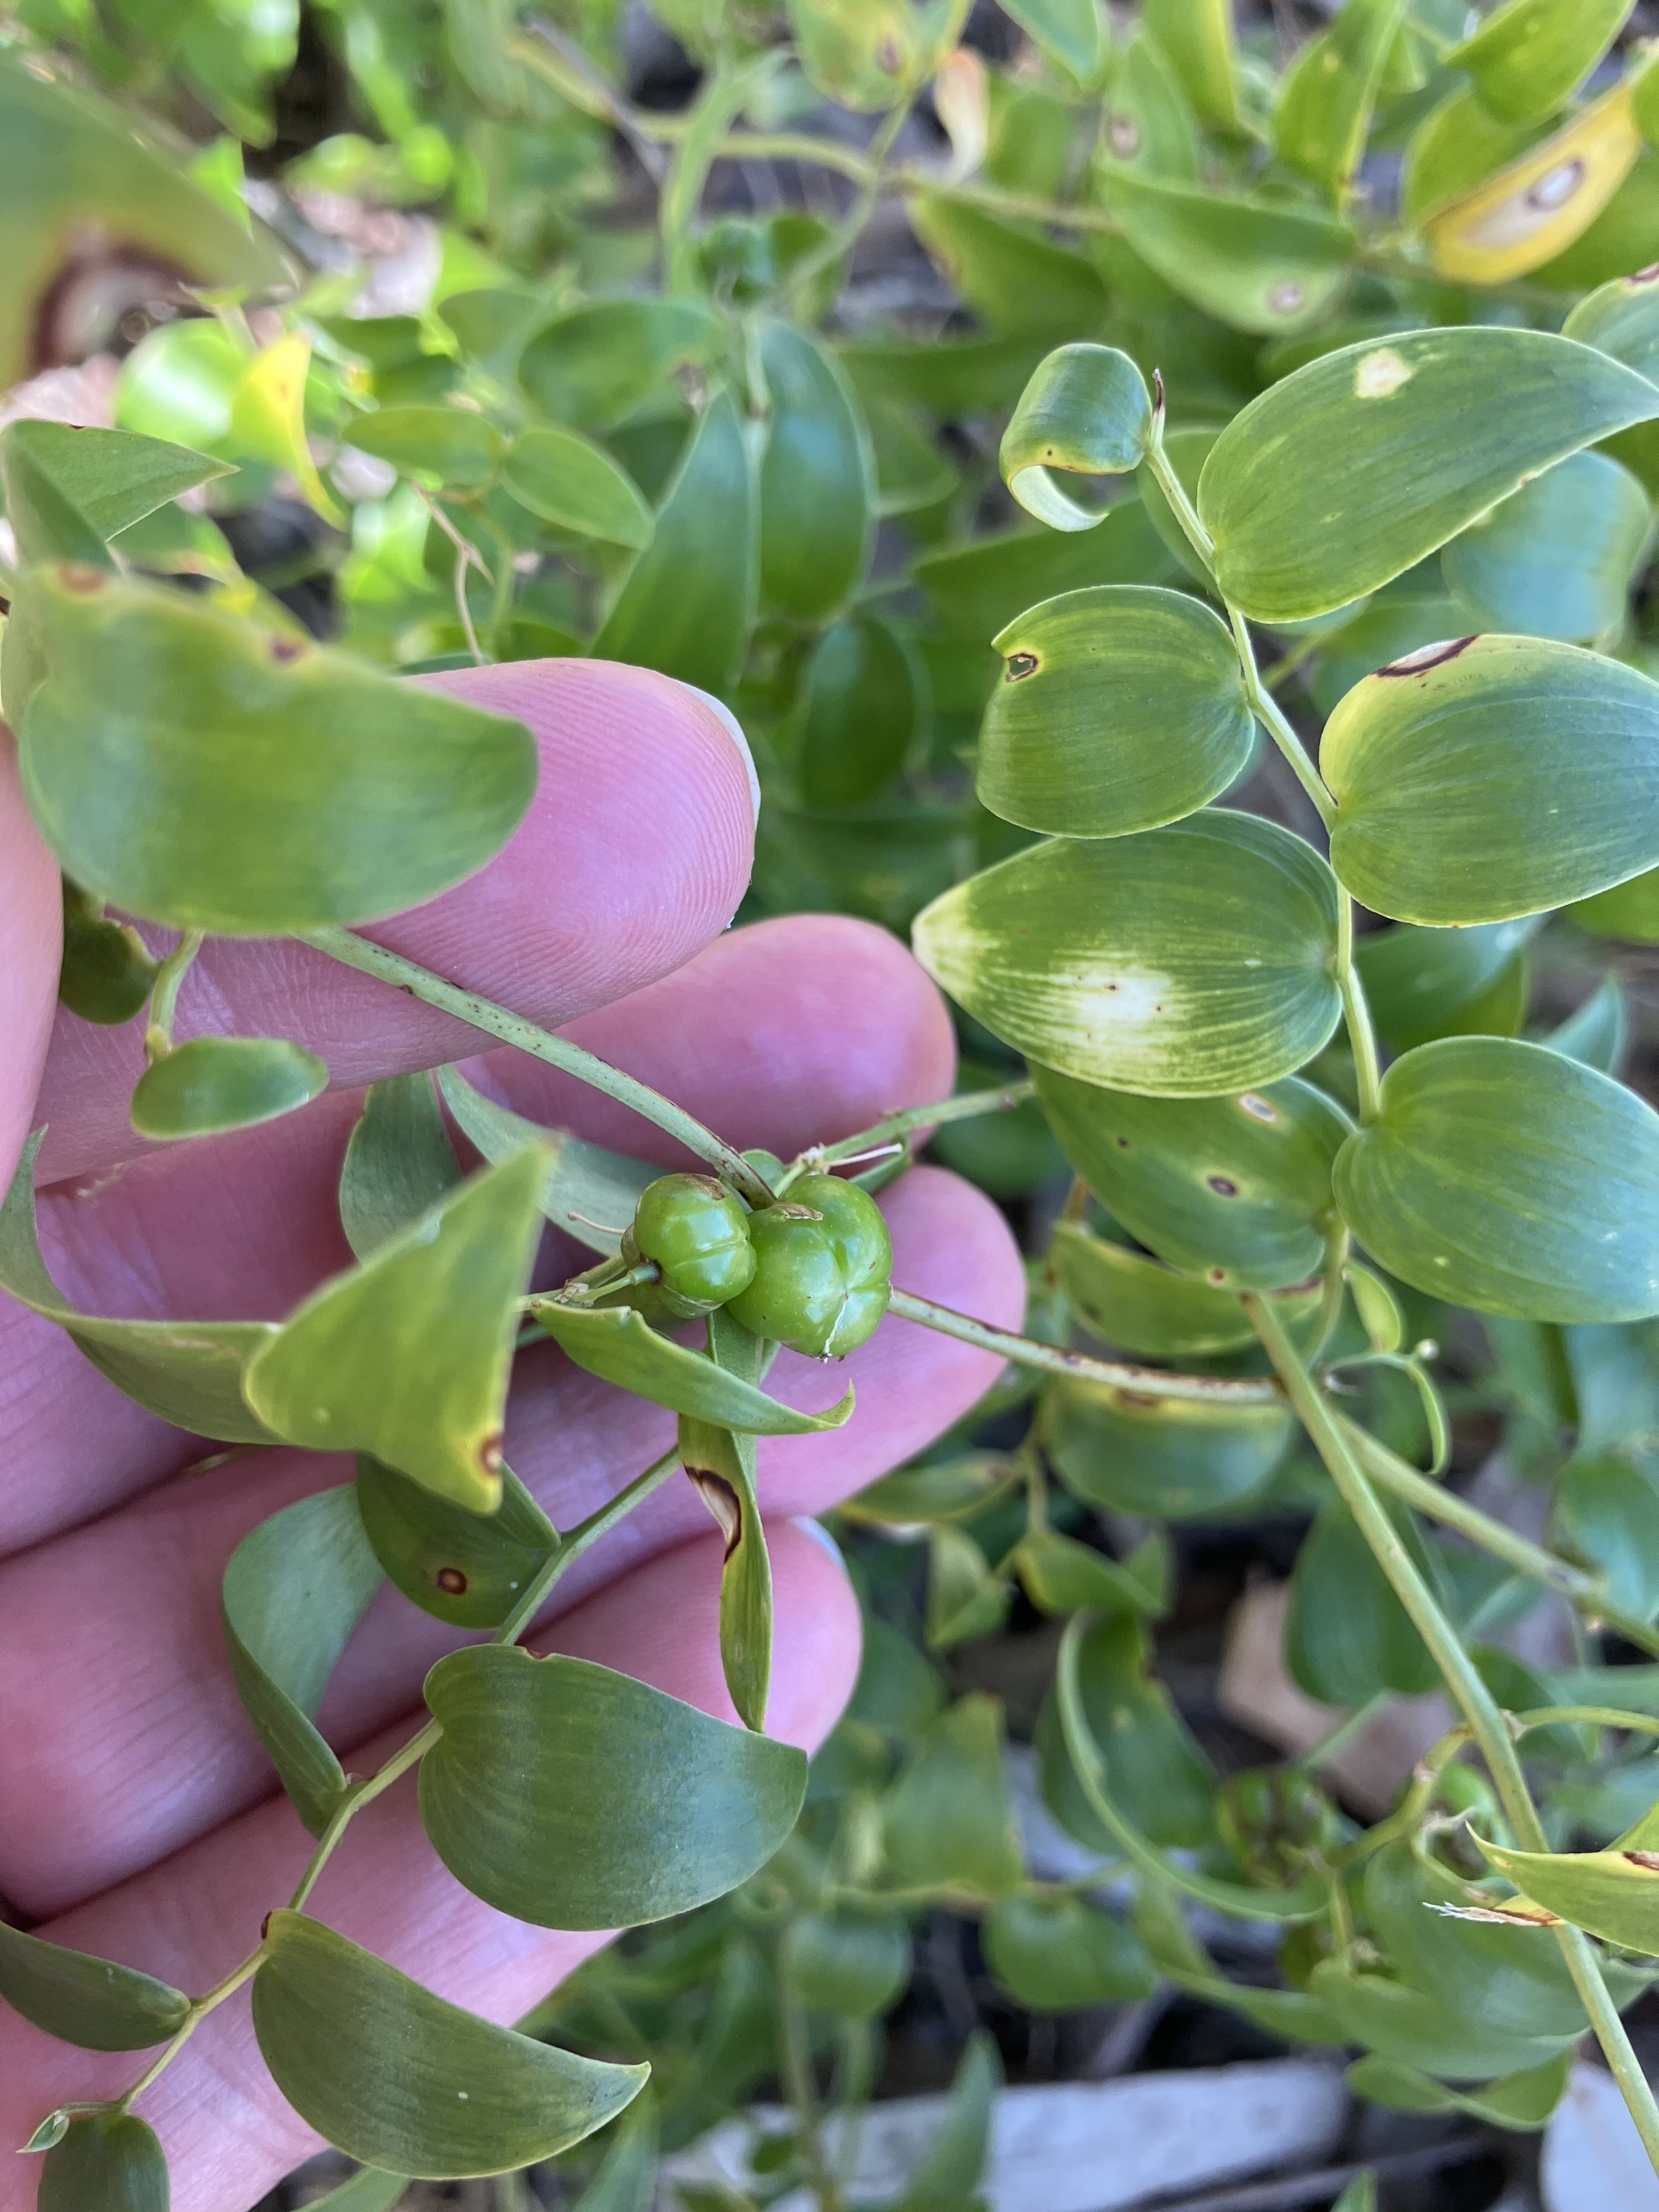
x=821, y=1535
x=734, y=729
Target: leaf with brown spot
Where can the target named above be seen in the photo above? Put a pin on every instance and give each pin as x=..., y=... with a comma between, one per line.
x=721, y=1464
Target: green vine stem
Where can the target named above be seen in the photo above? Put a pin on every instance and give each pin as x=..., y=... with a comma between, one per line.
x=1367, y=1065
x=1583, y=1591
x=371, y=959
x=582, y=1538
x=1053, y=1359
x=1487, y=1725
x=881, y=1136
x=164, y=995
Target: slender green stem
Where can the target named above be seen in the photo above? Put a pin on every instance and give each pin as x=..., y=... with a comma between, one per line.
x=361, y=1794
x=1272, y=717
x=1468, y=1692
x=600, y=1283
x=581, y=1539
x=1163, y=473
x=847, y=231
x=795, y=2061
x=881, y=1134
x=1335, y=1285
x=371, y=959
x=1350, y=1725
x=164, y=995
x=1027, y=1351
x=1583, y=1592
x=1611, y=1717
x=1367, y=1067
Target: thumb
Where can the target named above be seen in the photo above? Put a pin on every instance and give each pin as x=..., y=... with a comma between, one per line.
x=31, y=943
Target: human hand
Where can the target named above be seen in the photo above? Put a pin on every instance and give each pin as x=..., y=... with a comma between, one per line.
x=138, y=1816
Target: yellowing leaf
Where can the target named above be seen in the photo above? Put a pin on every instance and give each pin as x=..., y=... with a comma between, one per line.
x=1534, y=208
x=268, y=418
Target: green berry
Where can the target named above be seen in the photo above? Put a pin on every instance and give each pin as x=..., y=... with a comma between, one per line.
x=823, y=1260
x=697, y=1232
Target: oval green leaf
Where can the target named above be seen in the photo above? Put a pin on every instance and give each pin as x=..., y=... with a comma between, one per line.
x=68, y=489
x=398, y=2078
x=1120, y=709
x=1256, y=264
x=212, y=1083
x=188, y=1372
x=1405, y=2024
x=567, y=480
x=1185, y=962
x=1527, y=55
x=398, y=1162
x=85, y=2001
x=452, y=445
x=686, y=604
x=1557, y=558
x=948, y=1821
x=1630, y=911
x=193, y=768
x=408, y=1355
x=469, y=1569
x=1353, y=469
x=1086, y=410
x=1421, y=984
x=1493, y=777
x=1055, y=1952
x=1167, y=1458
x=617, y=1344
x=817, y=482
x=1131, y=1301
x=1612, y=1893
x=1235, y=1190
x=105, y=2162
x=1504, y=1176
x=595, y=364
x=854, y=1964
x=572, y=1797
x=1346, y=1635
x=859, y=704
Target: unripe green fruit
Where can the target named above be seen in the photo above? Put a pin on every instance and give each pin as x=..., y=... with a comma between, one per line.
x=823, y=1261
x=698, y=1233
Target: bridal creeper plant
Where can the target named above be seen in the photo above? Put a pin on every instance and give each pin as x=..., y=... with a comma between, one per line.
x=1349, y=443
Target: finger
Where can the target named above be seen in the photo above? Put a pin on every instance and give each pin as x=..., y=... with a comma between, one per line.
x=31, y=942
x=633, y=853
x=794, y=1031
x=111, y=1765
x=227, y=2133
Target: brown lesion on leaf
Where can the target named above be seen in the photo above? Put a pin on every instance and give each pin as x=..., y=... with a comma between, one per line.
x=1020, y=666
x=1648, y=276
x=1647, y=1860
x=489, y=1453
x=723, y=1502
x=1223, y=1186
x=451, y=1582
x=83, y=579
x=1427, y=657
x=286, y=648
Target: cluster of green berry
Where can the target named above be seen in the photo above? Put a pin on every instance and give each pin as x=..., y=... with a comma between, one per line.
x=811, y=1271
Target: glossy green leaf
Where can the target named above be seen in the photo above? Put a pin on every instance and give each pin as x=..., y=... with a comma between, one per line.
x=1630, y=911
x=408, y=1355
x=567, y=479
x=80, y=169
x=1011, y=276
x=1612, y=1893
x=931, y=1490
x=294, y=1590
x=860, y=53
x=1136, y=1303
x=595, y=364
x=1596, y=1031
x=1087, y=411
x=952, y=2167
x=1359, y=2195
x=1068, y=32
x=451, y=446
x=211, y=1084
x=1458, y=143
x=1156, y=1772
x=1325, y=103
x=626, y=2181
x=398, y=2078
x=1121, y=708
x=590, y=1193
x=86, y=2001
x=948, y=1821
x=398, y=1162
x=107, y=973
x=1557, y=558
x=1397, y=2022
x=817, y=488
x=105, y=2162
x=1060, y=1575
x=859, y=704
x=1528, y=55
x=574, y=1797
x=1055, y=1952
x=1236, y=1190
x=1167, y=1458
x=188, y=1372
x=687, y=603
x=721, y=1464
x=1261, y=265
x=845, y=1961
x=1606, y=1512
x=1185, y=962
x=1522, y=2101
x=1346, y=1635
x=1421, y=984
x=368, y=2190
x=1501, y=1175
x=1493, y=777
x=468, y=1569
x=1386, y=628
x=977, y=590
x=195, y=769
x=1147, y=121
x=1198, y=37
x=66, y=490
x=965, y=1600
x=1377, y=1309
x=1353, y=469
x=619, y=1345
x=1621, y=318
